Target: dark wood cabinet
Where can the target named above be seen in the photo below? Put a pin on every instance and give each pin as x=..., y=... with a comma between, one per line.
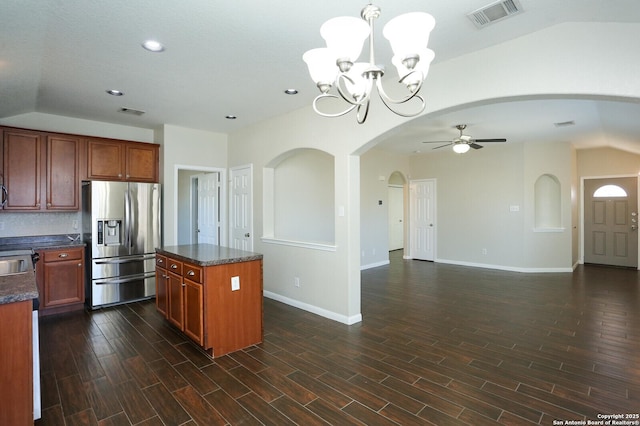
x=203, y=303
x=122, y=160
x=60, y=278
x=22, y=169
x=63, y=173
x=184, y=296
x=40, y=171
x=16, y=363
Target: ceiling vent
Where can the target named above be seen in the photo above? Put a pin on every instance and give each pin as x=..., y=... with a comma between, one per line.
x=131, y=111
x=494, y=12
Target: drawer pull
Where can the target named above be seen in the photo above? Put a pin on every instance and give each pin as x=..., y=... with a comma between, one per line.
x=191, y=273
x=160, y=261
x=63, y=255
x=174, y=266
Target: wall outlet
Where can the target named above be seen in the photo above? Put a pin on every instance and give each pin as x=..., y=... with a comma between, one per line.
x=296, y=281
x=74, y=224
x=235, y=283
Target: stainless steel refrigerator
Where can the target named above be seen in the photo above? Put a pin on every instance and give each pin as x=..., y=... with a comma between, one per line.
x=121, y=225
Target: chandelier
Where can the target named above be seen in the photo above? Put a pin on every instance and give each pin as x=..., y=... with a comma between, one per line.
x=336, y=66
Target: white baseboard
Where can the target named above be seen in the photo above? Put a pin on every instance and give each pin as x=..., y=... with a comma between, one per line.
x=503, y=267
x=374, y=265
x=314, y=309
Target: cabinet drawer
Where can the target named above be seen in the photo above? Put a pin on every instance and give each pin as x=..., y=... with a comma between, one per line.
x=174, y=266
x=61, y=255
x=192, y=272
x=161, y=261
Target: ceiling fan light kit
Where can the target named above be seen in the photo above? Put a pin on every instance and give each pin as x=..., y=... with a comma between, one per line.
x=463, y=143
x=335, y=66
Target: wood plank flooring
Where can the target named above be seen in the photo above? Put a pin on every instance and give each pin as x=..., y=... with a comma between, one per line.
x=438, y=344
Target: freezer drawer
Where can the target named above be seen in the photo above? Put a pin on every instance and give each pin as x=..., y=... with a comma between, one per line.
x=123, y=266
x=115, y=290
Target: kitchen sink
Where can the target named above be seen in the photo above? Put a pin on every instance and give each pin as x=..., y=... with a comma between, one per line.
x=10, y=265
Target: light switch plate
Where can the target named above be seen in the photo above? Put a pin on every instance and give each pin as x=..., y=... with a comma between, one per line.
x=235, y=283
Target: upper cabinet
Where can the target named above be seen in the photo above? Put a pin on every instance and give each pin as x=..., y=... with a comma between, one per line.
x=22, y=169
x=109, y=159
x=40, y=171
x=63, y=173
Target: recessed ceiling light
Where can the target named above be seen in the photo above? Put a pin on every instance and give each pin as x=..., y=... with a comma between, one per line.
x=115, y=92
x=291, y=92
x=153, y=46
x=231, y=117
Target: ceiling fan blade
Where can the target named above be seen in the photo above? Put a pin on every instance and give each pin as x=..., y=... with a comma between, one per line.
x=488, y=140
x=442, y=146
x=475, y=145
x=437, y=142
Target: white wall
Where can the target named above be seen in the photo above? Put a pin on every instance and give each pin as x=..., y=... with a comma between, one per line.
x=187, y=148
x=557, y=61
x=375, y=169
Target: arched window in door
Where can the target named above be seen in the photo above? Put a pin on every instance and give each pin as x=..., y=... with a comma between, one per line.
x=609, y=191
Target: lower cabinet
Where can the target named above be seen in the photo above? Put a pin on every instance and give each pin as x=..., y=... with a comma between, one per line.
x=16, y=363
x=179, y=296
x=60, y=278
x=219, y=307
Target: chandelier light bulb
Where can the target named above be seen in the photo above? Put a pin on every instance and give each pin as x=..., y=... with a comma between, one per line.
x=335, y=66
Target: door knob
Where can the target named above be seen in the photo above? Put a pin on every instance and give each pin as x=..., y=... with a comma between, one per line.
x=247, y=235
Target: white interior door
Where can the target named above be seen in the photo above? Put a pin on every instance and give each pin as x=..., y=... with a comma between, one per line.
x=396, y=215
x=611, y=221
x=242, y=208
x=208, y=208
x=422, y=199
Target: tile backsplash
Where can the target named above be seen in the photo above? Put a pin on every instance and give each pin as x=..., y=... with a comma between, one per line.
x=31, y=224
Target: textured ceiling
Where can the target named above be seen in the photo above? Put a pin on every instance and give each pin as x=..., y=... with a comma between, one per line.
x=236, y=57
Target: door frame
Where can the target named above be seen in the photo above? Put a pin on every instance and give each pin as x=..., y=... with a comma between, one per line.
x=581, y=207
x=223, y=197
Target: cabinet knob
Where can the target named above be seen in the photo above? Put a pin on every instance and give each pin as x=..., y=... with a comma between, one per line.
x=119, y=175
x=79, y=265
x=184, y=285
x=48, y=205
x=191, y=273
x=63, y=255
x=160, y=261
x=174, y=266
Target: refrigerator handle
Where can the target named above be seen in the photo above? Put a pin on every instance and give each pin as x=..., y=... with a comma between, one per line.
x=127, y=219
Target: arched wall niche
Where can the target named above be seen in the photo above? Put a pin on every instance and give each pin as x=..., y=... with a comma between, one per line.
x=548, y=203
x=299, y=197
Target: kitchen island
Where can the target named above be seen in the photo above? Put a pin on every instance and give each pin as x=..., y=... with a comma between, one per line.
x=211, y=293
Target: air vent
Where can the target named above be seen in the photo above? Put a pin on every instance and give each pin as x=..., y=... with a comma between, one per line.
x=494, y=12
x=131, y=111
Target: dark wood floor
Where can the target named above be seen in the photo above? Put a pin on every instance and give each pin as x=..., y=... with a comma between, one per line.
x=439, y=344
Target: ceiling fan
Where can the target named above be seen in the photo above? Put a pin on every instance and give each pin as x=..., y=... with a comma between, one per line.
x=462, y=143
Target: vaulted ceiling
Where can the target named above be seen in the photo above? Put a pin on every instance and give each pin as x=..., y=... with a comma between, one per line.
x=237, y=58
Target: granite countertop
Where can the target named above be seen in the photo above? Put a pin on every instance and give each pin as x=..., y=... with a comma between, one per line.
x=18, y=287
x=208, y=254
x=41, y=242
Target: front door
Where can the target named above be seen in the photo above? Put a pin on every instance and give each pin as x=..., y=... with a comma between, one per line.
x=422, y=218
x=611, y=221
